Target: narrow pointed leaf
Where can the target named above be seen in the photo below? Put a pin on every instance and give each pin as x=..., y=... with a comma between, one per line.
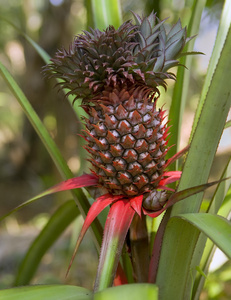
x=117, y=224
x=220, y=196
x=94, y=211
x=51, y=147
x=46, y=58
x=136, y=291
x=177, y=155
x=225, y=23
x=70, y=184
x=218, y=229
x=47, y=292
x=73, y=183
x=182, y=81
x=57, y=223
x=153, y=266
x=36, y=122
x=39, y=49
x=190, y=53
x=228, y=124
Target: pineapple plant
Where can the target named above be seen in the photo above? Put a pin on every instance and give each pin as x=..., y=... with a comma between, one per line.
x=117, y=74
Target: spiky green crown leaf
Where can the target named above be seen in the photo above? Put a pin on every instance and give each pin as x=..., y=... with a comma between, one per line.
x=135, y=55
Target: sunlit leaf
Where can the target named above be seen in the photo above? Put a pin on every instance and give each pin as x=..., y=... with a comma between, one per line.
x=222, y=207
x=47, y=292
x=218, y=229
x=228, y=124
x=102, y=13
x=136, y=291
x=225, y=22
x=182, y=81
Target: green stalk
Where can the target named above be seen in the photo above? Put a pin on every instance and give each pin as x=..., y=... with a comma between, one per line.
x=139, y=248
x=102, y=13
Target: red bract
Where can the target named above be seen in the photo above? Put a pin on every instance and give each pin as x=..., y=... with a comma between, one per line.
x=121, y=213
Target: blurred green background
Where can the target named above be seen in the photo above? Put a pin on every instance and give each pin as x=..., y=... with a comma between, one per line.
x=25, y=166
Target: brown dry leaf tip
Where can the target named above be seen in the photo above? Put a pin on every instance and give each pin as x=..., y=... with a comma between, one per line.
x=116, y=73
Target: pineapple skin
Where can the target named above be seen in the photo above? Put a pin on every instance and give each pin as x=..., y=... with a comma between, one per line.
x=127, y=140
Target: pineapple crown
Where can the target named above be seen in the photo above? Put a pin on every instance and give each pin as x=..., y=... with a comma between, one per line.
x=133, y=55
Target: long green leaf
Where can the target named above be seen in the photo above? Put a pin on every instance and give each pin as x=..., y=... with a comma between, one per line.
x=46, y=58
x=196, y=171
x=219, y=43
x=217, y=206
x=102, y=13
x=47, y=292
x=228, y=124
x=58, y=222
x=218, y=229
x=223, y=186
x=39, y=49
x=182, y=82
x=36, y=123
x=51, y=147
x=136, y=291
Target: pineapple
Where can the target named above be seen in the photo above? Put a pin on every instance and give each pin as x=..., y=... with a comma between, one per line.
x=117, y=73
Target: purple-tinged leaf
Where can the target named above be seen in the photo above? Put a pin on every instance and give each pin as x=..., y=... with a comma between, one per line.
x=177, y=156
x=156, y=250
x=73, y=183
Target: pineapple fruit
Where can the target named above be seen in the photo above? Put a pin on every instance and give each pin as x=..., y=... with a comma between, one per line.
x=117, y=73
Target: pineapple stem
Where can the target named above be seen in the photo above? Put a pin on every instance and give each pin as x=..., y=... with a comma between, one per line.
x=117, y=224
x=140, y=248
